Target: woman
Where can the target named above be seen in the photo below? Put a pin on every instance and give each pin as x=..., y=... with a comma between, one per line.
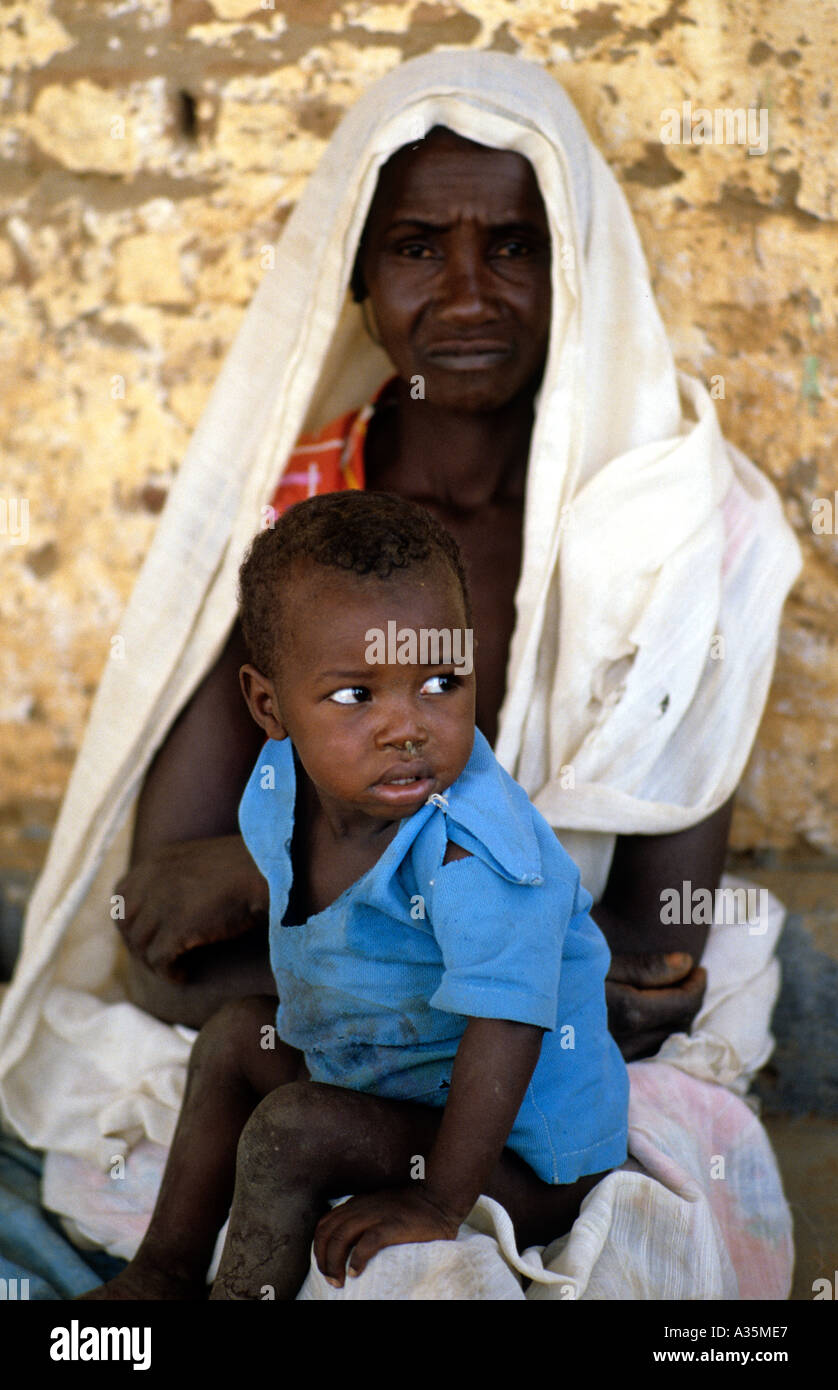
x=503, y=274
x=466, y=311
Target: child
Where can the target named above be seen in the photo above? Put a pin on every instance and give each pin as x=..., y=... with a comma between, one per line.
x=441, y=1030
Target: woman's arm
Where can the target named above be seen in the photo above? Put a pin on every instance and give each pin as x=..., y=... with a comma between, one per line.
x=195, y=903
x=193, y=787
x=655, y=985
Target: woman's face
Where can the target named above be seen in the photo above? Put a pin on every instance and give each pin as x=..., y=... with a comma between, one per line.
x=456, y=262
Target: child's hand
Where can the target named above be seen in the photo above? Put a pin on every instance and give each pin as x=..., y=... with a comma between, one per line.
x=397, y=1216
x=491, y=1072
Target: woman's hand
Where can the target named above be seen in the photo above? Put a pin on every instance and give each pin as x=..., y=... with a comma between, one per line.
x=366, y=1224
x=188, y=894
x=655, y=986
x=649, y=996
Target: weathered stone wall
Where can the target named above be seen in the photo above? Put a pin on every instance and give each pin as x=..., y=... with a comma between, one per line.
x=149, y=151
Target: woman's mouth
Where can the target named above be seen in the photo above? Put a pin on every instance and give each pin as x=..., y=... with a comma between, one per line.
x=462, y=356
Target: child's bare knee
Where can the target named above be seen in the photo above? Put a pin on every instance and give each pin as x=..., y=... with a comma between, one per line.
x=285, y=1136
x=234, y=1029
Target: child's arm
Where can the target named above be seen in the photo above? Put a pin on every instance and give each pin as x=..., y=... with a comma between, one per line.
x=492, y=1070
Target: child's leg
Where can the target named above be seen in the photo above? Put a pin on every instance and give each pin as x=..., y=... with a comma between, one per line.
x=308, y=1142
x=229, y=1073
x=304, y=1144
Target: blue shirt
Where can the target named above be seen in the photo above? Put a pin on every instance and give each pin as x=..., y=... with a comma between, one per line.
x=378, y=988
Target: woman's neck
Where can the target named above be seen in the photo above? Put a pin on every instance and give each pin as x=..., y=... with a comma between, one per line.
x=462, y=460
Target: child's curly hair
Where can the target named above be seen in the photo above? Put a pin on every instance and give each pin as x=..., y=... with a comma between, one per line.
x=363, y=533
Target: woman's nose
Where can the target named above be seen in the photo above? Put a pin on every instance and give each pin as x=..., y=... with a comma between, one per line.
x=466, y=291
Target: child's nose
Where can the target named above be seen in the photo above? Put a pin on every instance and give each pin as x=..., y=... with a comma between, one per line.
x=400, y=726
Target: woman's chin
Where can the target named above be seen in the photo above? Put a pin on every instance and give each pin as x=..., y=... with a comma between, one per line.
x=478, y=387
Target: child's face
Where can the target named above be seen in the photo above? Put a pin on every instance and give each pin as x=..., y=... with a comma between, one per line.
x=376, y=737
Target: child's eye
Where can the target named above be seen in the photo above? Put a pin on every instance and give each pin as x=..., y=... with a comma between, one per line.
x=350, y=695
x=440, y=685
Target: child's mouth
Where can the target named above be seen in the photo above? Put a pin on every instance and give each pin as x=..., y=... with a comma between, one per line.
x=398, y=785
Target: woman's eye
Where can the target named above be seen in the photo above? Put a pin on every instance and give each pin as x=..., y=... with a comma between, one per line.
x=415, y=250
x=440, y=685
x=514, y=249
x=350, y=695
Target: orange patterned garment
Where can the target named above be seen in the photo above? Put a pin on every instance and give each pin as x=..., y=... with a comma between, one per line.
x=327, y=460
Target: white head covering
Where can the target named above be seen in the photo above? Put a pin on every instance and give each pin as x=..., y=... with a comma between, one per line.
x=646, y=536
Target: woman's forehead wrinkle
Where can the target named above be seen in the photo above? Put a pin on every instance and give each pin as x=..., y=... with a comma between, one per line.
x=425, y=183
x=509, y=220
x=445, y=208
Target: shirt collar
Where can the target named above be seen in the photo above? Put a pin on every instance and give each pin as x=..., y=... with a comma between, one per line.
x=266, y=810
x=484, y=802
x=495, y=811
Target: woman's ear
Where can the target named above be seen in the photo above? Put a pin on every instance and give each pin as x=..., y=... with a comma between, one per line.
x=261, y=697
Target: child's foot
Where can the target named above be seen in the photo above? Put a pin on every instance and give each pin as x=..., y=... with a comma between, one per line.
x=144, y=1285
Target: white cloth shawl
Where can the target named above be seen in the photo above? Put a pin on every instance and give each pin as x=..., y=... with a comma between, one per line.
x=646, y=537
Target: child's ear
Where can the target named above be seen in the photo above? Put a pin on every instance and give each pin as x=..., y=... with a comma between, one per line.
x=261, y=697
